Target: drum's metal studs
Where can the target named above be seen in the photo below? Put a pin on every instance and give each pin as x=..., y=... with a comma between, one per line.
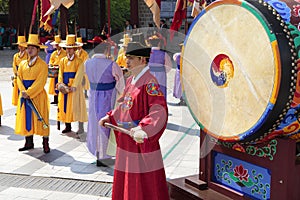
x=269, y=7
x=265, y=4
x=281, y=181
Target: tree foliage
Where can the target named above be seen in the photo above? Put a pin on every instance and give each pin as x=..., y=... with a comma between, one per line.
x=120, y=12
x=4, y=6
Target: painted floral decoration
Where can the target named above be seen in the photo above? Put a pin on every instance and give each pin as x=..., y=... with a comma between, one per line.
x=241, y=173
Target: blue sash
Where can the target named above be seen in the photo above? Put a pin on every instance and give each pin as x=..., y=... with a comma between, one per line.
x=128, y=125
x=102, y=86
x=67, y=76
x=28, y=111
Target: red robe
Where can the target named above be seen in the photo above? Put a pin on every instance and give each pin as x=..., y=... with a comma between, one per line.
x=139, y=172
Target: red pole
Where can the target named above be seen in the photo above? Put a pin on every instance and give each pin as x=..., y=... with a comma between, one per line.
x=33, y=15
x=108, y=17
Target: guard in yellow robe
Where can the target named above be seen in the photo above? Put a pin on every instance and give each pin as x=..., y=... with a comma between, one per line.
x=55, y=58
x=81, y=53
x=1, y=111
x=33, y=106
x=18, y=57
x=71, y=105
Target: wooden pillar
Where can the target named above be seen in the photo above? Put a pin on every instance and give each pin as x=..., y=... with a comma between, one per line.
x=102, y=13
x=20, y=12
x=64, y=16
x=134, y=12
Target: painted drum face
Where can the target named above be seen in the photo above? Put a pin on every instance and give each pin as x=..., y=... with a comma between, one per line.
x=239, y=71
x=221, y=70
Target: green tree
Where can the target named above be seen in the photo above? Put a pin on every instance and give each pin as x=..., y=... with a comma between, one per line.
x=4, y=6
x=120, y=12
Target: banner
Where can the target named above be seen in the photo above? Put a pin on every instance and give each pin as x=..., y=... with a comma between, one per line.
x=179, y=15
x=154, y=6
x=45, y=20
x=55, y=4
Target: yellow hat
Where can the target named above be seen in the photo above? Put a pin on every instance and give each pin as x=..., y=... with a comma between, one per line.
x=33, y=40
x=21, y=39
x=57, y=40
x=79, y=40
x=70, y=42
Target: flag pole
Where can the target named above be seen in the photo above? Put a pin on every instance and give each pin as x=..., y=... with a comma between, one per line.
x=33, y=15
x=108, y=17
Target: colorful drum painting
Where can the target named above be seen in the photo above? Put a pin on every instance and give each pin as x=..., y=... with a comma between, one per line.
x=239, y=72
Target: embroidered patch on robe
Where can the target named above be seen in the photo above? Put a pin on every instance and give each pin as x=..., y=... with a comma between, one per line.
x=152, y=89
x=127, y=103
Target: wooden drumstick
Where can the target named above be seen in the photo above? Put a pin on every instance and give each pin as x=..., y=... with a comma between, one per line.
x=117, y=128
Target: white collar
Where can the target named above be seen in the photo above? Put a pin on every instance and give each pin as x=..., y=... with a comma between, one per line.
x=71, y=58
x=99, y=55
x=21, y=54
x=32, y=61
x=135, y=79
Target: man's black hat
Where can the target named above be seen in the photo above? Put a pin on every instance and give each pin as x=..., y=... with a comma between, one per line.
x=137, y=49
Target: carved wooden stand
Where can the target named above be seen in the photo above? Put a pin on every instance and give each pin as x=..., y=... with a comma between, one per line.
x=232, y=171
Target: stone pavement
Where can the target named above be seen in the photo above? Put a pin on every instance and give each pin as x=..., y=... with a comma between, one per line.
x=69, y=170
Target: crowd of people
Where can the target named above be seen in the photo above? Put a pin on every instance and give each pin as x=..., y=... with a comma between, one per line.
x=8, y=36
x=129, y=92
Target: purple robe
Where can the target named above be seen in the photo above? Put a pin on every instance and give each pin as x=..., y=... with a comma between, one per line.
x=177, y=90
x=158, y=69
x=103, y=75
x=49, y=51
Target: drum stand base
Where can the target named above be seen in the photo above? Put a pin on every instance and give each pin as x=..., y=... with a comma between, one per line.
x=281, y=164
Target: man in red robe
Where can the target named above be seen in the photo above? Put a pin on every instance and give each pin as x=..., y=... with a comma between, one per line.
x=139, y=171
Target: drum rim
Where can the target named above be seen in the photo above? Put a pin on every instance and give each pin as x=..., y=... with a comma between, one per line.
x=246, y=136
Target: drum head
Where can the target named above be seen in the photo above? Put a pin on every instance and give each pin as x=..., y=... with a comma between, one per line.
x=232, y=70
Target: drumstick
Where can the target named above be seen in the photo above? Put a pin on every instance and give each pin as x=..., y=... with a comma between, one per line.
x=117, y=128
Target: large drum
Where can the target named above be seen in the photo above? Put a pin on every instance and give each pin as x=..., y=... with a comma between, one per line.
x=53, y=71
x=239, y=72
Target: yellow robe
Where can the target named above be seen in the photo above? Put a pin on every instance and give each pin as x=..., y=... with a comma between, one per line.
x=38, y=73
x=75, y=107
x=16, y=61
x=1, y=111
x=84, y=56
x=54, y=60
x=121, y=59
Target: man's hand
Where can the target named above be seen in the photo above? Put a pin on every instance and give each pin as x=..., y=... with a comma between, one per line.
x=138, y=134
x=103, y=120
x=25, y=95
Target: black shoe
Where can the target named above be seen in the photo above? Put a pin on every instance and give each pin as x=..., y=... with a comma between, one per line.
x=105, y=162
x=80, y=131
x=25, y=148
x=46, y=144
x=182, y=103
x=66, y=130
x=55, y=101
x=101, y=164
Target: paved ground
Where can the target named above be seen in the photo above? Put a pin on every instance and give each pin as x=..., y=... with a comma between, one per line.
x=69, y=170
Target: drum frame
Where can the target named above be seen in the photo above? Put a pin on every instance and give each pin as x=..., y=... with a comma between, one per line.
x=284, y=86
